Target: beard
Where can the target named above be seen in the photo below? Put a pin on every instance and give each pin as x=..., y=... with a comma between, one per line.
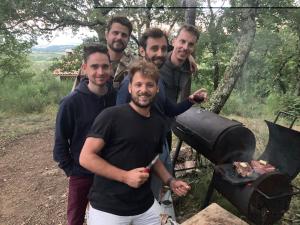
x=135, y=100
x=157, y=61
x=120, y=48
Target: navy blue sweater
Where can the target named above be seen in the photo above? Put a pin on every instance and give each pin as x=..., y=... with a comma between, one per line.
x=76, y=114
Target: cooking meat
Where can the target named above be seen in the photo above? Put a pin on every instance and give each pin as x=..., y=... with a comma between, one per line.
x=262, y=166
x=243, y=169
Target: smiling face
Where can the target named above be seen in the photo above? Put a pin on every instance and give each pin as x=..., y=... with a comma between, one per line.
x=98, y=69
x=184, y=45
x=142, y=89
x=117, y=37
x=156, y=50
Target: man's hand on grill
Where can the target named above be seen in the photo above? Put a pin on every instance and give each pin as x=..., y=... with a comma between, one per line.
x=199, y=96
x=179, y=187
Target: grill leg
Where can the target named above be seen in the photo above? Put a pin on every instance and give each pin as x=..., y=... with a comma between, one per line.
x=209, y=192
x=179, y=143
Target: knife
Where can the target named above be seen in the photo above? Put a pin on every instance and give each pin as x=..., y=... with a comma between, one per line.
x=148, y=167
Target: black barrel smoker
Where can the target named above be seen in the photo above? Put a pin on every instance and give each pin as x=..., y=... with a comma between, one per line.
x=262, y=199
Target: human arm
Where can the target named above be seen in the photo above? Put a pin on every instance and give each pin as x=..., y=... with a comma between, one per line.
x=174, y=109
x=123, y=95
x=193, y=64
x=63, y=133
x=179, y=187
x=90, y=159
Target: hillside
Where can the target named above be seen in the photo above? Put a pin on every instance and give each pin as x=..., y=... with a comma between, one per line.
x=53, y=48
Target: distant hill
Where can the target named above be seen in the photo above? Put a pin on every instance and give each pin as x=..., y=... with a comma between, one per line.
x=53, y=48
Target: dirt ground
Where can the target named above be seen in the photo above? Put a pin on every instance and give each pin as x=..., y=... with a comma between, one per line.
x=33, y=189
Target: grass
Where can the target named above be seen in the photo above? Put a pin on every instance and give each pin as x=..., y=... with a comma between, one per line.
x=14, y=126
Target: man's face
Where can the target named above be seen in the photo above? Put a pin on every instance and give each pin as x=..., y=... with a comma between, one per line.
x=142, y=90
x=117, y=37
x=98, y=69
x=184, y=44
x=156, y=51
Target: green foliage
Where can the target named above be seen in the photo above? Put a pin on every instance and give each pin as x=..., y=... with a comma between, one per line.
x=287, y=103
x=32, y=95
x=244, y=104
x=70, y=62
x=13, y=55
x=73, y=61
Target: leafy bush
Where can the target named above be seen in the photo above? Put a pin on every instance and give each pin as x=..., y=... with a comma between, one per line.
x=243, y=104
x=32, y=96
x=288, y=103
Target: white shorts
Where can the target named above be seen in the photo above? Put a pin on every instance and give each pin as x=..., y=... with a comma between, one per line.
x=150, y=217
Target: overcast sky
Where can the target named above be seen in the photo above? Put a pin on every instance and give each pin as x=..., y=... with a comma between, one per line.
x=66, y=37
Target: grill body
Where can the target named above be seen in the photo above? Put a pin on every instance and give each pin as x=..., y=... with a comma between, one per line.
x=219, y=139
x=263, y=201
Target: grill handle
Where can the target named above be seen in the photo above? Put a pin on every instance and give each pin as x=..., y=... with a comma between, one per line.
x=279, y=196
x=185, y=131
x=288, y=114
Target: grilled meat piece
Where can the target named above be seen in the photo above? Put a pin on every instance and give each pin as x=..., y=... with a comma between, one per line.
x=262, y=166
x=243, y=169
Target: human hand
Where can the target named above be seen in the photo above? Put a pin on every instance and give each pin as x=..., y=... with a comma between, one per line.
x=193, y=65
x=136, y=177
x=179, y=187
x=199, y=96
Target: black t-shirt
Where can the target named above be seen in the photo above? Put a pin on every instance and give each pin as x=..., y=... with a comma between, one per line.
x=131, y=141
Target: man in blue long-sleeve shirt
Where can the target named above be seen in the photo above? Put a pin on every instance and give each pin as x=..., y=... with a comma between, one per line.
x=76, y=114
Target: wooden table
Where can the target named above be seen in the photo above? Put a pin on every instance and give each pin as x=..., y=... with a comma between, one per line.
x=214, y=215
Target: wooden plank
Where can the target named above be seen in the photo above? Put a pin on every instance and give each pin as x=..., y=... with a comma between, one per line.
x=214, y=215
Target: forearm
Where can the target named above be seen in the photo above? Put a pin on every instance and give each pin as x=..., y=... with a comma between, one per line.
x=161, y=171
x=101, y=167
x=174, y=109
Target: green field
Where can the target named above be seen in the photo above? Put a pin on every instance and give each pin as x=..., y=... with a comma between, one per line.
x=44, y=56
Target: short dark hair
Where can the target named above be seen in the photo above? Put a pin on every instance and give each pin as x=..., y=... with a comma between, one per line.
x=121, y=20
x=153, y=33
x=191, y=29
x=148, y=69
x=93, y=48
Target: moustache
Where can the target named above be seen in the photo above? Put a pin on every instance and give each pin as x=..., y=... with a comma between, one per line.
x=145, y=95
x=159, y=58
x=118, y=41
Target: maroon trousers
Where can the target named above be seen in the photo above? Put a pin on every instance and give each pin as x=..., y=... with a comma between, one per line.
x=77, y=199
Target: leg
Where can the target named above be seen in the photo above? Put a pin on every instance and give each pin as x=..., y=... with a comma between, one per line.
x=209, y=192
x=97, y=217
x=150, y=217
x=77, y=199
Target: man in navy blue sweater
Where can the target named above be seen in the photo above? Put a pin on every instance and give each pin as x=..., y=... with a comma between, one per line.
x=76, y=114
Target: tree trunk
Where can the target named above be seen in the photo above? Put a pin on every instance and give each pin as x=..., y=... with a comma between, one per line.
x=148, y=13
x=101, y=35
x=298, y=66
x=237, y=62
x=213, y=34
x=190, y=12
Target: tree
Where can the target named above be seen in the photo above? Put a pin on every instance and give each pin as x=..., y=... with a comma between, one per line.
x=13, y=50
x=237, y=62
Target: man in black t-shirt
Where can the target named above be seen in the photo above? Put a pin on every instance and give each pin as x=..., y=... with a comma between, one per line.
x=122, y=142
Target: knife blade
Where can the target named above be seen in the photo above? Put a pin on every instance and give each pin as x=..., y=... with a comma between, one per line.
x=148, y=167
